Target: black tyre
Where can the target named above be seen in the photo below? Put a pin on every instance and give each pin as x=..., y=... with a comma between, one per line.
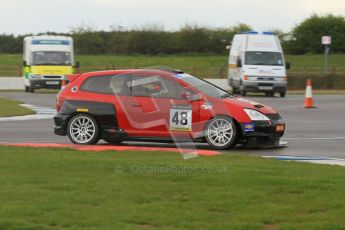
x=221, y=132
x=26, y=89
x=31, y=90
x=83, y=129
x=283, y=94
x=242, y=90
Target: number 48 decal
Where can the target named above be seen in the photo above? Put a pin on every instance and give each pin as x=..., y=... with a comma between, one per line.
x=181, y=119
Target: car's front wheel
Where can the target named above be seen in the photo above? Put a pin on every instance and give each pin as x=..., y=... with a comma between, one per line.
x=83, y=129
x=221, y=132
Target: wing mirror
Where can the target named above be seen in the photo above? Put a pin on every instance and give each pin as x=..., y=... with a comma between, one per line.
x=288, y=65
x=239, y=63
x=191, y=96
x=195, y=97
x=77, y=64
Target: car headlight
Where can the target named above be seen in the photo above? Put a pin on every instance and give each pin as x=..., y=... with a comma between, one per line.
x=35, y=76
x=255, y=115
x=283, y=79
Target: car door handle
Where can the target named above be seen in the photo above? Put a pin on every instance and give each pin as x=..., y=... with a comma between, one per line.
x=136, y=105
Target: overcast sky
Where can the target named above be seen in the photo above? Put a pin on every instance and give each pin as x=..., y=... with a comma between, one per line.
x=33, y=16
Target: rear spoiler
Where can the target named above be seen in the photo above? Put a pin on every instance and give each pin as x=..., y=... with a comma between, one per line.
x=72, y=77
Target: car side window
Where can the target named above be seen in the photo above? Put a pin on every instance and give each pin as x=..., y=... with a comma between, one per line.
x=108, y=84
x=156, y=87
x=120, y=85
x=97, y=84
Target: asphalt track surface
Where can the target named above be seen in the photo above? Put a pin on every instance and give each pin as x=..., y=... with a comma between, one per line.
x=318, y=132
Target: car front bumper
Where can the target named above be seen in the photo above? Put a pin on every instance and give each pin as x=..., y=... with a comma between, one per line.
x=46, y=83
x=264, y=133
x=257, y=86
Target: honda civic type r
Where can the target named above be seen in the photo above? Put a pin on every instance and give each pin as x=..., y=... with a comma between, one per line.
x=161, y=106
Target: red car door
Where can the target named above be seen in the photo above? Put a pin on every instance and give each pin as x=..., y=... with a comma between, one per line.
x=157, y=107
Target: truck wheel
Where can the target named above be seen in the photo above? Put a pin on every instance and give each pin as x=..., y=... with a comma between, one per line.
x=31, y=90
x=282, y=94
x=83, y=129
x=233, y=90
x=221, y=132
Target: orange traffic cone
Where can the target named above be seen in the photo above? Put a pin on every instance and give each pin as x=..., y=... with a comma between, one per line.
x=63, y=84
x=308, y=101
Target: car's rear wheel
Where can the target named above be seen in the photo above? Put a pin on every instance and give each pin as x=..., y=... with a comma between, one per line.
x=83, y=129
x=221, y=132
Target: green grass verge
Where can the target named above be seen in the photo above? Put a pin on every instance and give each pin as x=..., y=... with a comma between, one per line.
x=203, y=65
x=68, y=189
x=9, y=108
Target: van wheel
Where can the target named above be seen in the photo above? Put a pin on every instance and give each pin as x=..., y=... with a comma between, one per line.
x=283, y=94
x=83, y=129
x=242, y=91
x=31, y=90
x=231, y=84
x=221, y=132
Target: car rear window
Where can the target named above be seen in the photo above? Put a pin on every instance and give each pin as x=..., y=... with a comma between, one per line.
x=97, y=84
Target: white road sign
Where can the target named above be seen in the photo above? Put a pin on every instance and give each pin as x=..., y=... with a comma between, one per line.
x=326, y=40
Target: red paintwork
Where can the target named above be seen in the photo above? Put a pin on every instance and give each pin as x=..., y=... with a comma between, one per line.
x=133, y=119
x=72, y=77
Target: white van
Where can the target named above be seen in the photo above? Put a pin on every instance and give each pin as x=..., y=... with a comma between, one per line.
x=47, y=60
x=256, y=64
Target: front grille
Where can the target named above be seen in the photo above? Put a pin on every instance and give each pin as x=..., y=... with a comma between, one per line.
x=52, y=77
x=265, y=84
x=265, y=78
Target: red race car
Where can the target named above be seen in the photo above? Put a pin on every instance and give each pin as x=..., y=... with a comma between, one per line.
x=162, y=106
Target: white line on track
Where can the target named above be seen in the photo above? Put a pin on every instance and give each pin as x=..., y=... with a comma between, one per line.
x=314, y=160
x=314, y=138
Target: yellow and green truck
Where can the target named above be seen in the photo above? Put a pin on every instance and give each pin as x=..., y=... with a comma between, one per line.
x=47, y=60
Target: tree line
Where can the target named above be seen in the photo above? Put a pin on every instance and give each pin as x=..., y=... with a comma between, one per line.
x=153, y=40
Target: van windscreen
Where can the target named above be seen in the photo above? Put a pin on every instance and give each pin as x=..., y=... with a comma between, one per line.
x=264, y=58
x=51, y=58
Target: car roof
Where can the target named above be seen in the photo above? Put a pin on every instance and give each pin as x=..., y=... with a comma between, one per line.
x=134, y=71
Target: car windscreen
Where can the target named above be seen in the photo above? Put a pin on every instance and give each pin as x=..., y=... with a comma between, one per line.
x=264, y=58
x=203, y=86
x=51, y=58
